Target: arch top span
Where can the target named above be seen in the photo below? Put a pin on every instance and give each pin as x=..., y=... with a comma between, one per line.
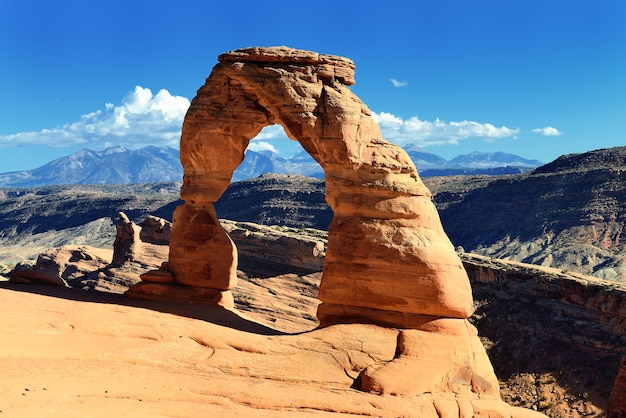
x=388, y=259
x=326, y=66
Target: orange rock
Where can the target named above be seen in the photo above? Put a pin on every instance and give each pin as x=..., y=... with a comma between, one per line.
x=127, y=241
x=157, y=276
x=387, y=250
x=28, y=276
x=451, y=361
x=166, y=292
x=388, y=260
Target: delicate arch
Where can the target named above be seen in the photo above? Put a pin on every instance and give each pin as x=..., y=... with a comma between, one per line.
x=388, y=260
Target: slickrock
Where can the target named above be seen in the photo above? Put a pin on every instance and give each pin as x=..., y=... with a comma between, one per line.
x=75, y=353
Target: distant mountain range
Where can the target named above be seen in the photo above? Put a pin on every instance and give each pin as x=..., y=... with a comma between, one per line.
x=116, y=165
x=119, y=165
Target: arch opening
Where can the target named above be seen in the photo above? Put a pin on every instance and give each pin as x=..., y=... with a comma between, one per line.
x=271, y=151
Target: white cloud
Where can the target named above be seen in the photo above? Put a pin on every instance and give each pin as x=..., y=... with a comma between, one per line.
x=397, y=83
x=141, y=119
x=424, y=133
x=145, y=119
x=258, y=146
x=272, y=132
x=547, y=131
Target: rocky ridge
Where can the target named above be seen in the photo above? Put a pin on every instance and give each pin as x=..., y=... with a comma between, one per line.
x=572, y=329
x=290, y=200
x=569, y=214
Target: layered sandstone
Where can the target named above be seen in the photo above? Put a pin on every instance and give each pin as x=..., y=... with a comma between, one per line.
x=277, y=249
x=127, y=241
x=559, y=334
x=388, y=259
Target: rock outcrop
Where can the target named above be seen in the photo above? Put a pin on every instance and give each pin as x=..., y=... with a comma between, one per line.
x=127, y=241
x=28, y=276
x=277, y=249
x=59, y=266
x=155, y=230
x=89, y=267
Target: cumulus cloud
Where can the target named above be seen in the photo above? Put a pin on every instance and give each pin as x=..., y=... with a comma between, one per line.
x=438, y=132
x=397, y=83
x=547, y=131
x=258, y=146
x=141, y=119
x=272, y=132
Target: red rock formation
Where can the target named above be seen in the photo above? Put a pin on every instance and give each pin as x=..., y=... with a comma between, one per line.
x=127, y=241
x=388, y=260
x=155, y=230
x=388, y=256
x=59, y=266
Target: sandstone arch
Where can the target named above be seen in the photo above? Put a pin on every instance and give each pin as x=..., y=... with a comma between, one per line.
x=388, y=261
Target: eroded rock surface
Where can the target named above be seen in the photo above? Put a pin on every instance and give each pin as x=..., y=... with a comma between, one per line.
x=388, y=256
x=127, y=241
x=277, y=249
x=388, y=260
x=75, y=353
x=155, y=230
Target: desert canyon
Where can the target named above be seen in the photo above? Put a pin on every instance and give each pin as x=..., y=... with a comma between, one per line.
x=394, y=297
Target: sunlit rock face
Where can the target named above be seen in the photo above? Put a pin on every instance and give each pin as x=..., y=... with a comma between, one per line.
x=388, y=259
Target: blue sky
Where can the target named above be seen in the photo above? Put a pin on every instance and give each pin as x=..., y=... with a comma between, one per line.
x=535, y=78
